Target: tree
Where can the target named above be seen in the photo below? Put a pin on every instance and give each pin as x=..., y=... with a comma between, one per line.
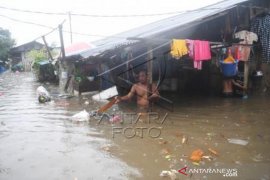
x=6, y=43
x=37, y=56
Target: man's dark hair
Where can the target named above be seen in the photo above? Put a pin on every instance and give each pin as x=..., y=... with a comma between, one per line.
x=143, y=70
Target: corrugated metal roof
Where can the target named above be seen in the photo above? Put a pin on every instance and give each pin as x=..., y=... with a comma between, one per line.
x=161, y=26
x=77, y=48
x=27, y=46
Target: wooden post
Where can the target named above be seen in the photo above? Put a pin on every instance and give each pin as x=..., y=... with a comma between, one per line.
x=237, y=14
x=46, y=45
x=62, y=41
x=228, y=24
x=246, y=72
x=130, y=73
x=100, y=77
x=246, y=64
x=70, y=27
x=127, y=66
x=149, y=73
x=62, y=79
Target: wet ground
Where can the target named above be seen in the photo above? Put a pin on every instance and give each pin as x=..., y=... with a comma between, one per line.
x=39, y=141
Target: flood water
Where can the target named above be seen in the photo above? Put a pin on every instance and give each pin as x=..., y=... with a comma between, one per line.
x=39, y=141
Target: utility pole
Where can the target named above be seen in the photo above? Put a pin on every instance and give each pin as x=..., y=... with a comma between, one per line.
x=62, y=40
x=70, y=27
x=62, y=64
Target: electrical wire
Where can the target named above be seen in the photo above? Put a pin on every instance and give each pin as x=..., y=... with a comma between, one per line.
x=53, y=28
x=140, y=15
x=90, y=15
x=32, y=23
x=30, y=11
x=48, y=33
x=26, y=22
x=104, y=15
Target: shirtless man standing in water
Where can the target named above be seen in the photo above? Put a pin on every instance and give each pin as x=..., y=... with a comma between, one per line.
x=140, y=89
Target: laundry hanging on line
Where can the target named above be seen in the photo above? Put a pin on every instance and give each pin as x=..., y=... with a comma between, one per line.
x=178, y=48
x=201, y=53
x=198, y=50
x=242, y=50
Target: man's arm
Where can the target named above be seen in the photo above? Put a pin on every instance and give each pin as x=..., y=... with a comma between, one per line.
x=128, y=96
x=154, y=93
x=238, y=84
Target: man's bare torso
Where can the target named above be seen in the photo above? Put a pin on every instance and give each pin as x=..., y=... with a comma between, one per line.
x=141, y=92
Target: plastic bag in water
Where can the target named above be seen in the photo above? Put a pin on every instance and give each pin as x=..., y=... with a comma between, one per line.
x=171, y=174
x=81, y=116
x=41, y=91
x=43, y=95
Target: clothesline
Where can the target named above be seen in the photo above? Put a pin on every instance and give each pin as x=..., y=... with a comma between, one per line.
x=224, y=45
x=197, y=50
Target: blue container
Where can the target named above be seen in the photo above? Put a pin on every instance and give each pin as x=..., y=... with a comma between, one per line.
x=2, y=69
x=229, y=69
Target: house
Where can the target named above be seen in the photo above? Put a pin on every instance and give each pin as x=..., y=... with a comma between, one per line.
x=77, y=76
x=19, y=54
x=149, y=46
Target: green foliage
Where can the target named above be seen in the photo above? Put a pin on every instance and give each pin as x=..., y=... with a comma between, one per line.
x=37, y=56
x=79, y=75
x=6, y=43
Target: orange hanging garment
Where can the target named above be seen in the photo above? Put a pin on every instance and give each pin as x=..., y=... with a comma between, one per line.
x=230, y=58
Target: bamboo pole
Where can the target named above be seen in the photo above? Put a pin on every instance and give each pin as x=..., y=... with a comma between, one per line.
x=150, y=74
x=47, y=48
x=246, y=64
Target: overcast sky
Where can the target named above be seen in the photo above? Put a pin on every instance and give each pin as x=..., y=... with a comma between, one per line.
x=102, y=26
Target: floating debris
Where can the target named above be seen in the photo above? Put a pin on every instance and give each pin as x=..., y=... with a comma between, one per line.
x=196, y=155
x=184, y=140
x=196, y=164
x=81, y=116
x=257, y=158
x=213, y=151
x=115, y=119
x=209, y=158
x=238, y=162
x=238, y=141
x=172, y=174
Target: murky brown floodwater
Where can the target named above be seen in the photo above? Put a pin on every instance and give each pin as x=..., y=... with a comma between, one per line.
x=39, y=141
